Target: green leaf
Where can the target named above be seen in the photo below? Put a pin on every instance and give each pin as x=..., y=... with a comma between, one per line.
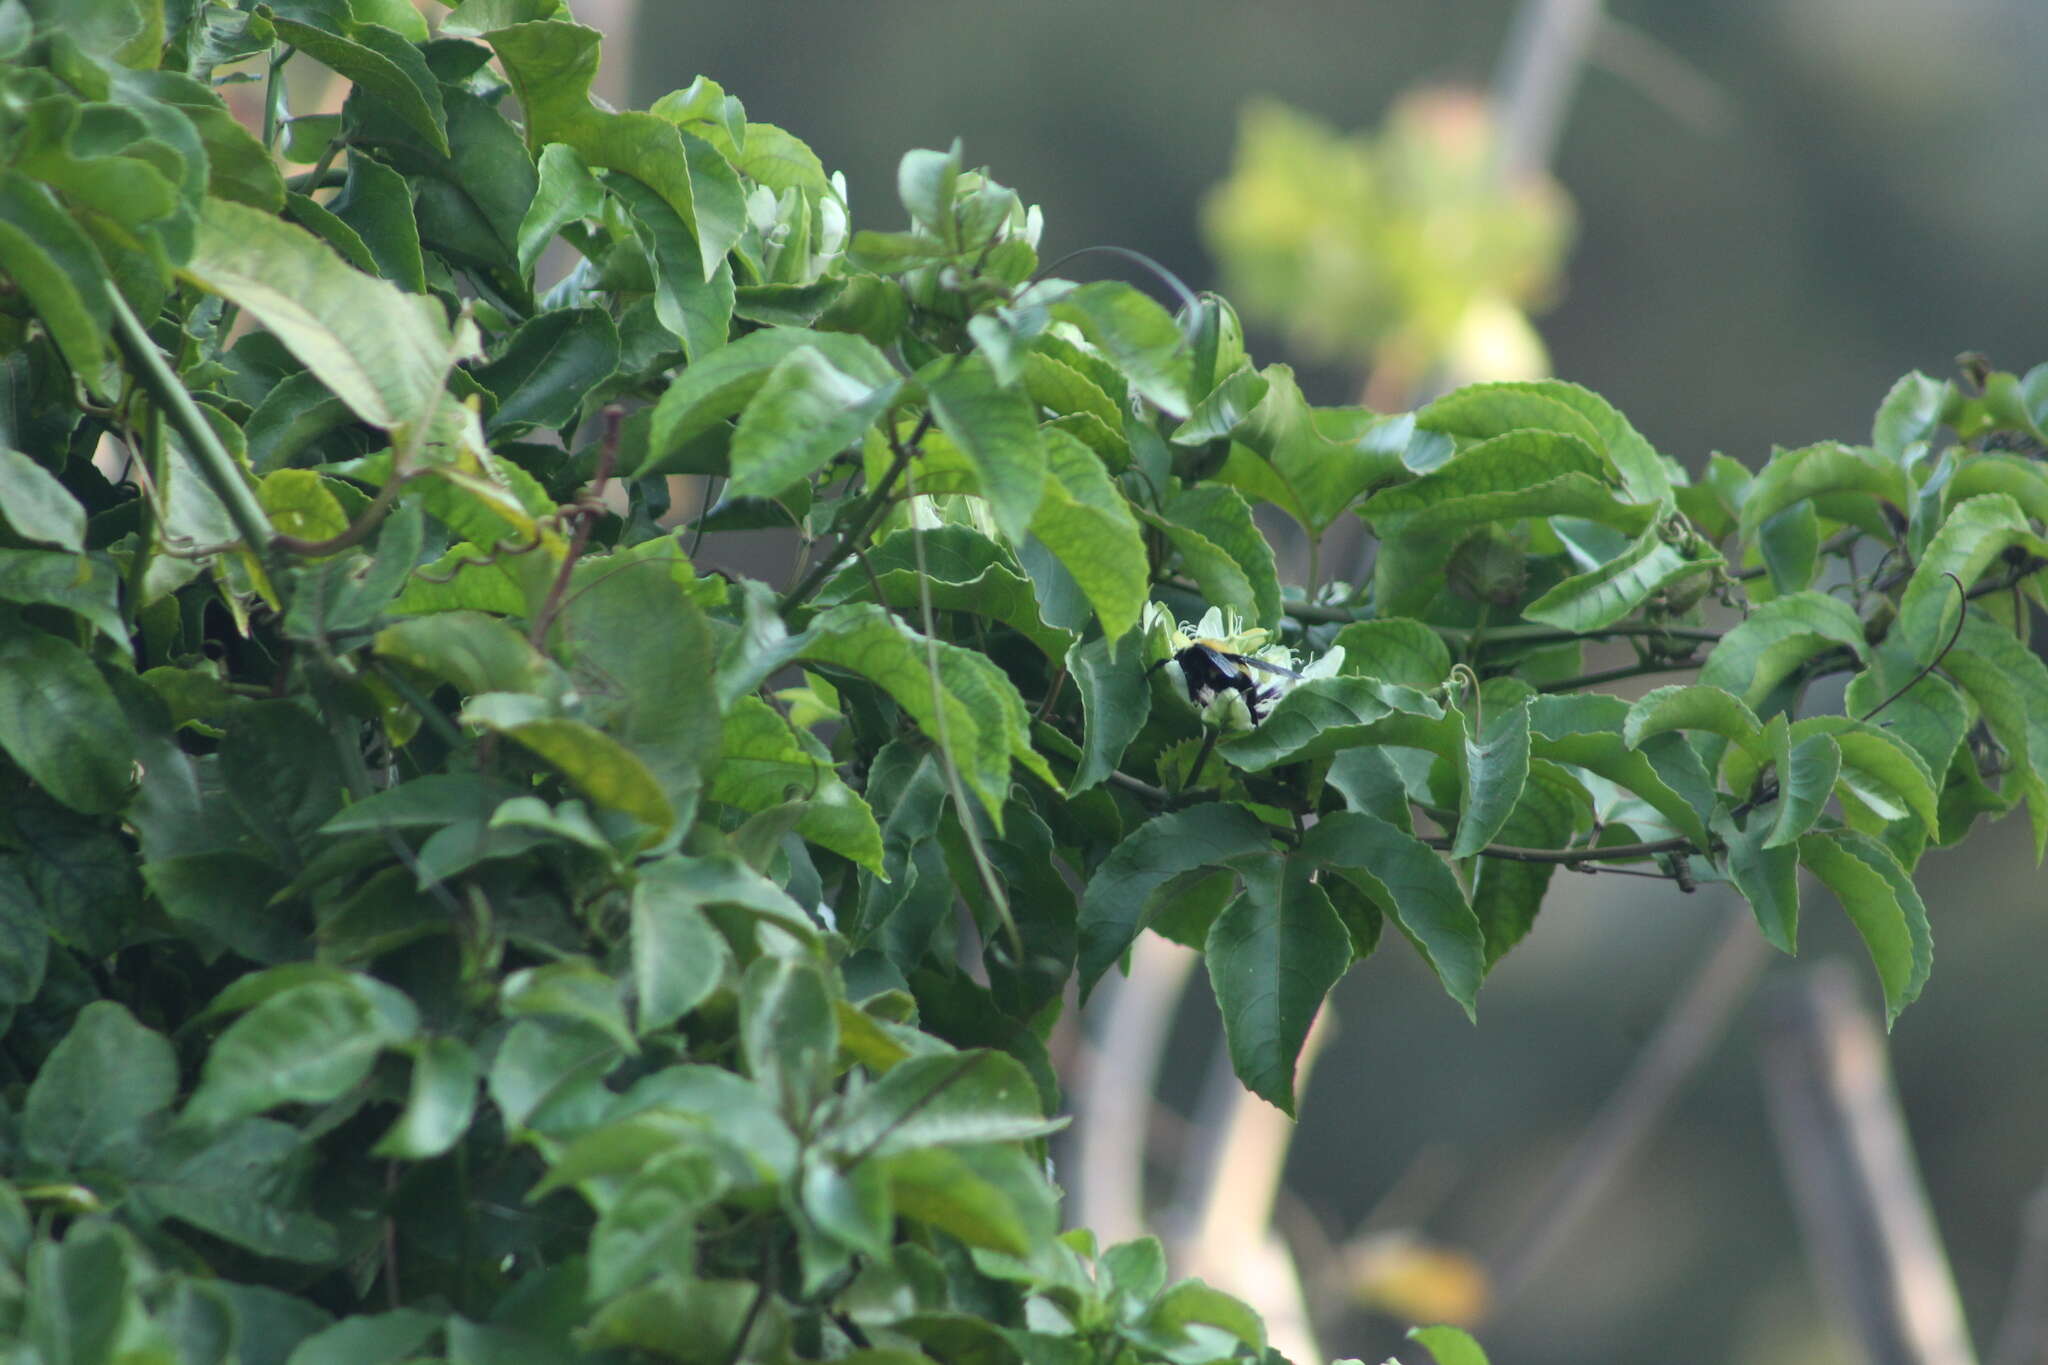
x=1115, y=703
x=766, y=761
x=678, y=958
x=381, y=64
x=1273, y=954
x=308, y=1043
x=2009, y=685
x=943, y=1100
x=1877, y=765
x=719, y=384
x=282, y=775
x=1768, y=878
x=1877, y=896
x=1812, y=471
x=963, y=571
x=36, y=506
x=549, y=1075
x=56, y=266
x=1602, y=596
x=1790, y=542
x=84, y=584
x=1519, y=474
x=1491, y=779
x=937, y=1186
x=696, y=309
x=1191, y=1303
x=551, y=66
x=600, y=767
x=1806, y=779
x=1087, y=524
x=95, y=1091
x=548, y=366
x=1412, y=885
x=1974, y=534
x=997, y=430
x=475, y=652
x=924, y=182
x=1217, y=574
x=438, y=1109
x=971, y=707
x=1301, y=459
x=369, y=1339
x=381, y=351
x=1223, y=518
x=1139, y=337
x=806, y=411
x=1399, y=651
x=1327, y=715
x=1113, y=907
x=1585, y=731
x=1909, y=416
x=575, y=989
x=852, y=1207
x=1483, y=410
x=377, y=203
x=1450, y=1345
x=789, y=1032
x=1776, y=638
x=1694, y=706
x=566, y=192
x=61, y=724
x=1507, y=893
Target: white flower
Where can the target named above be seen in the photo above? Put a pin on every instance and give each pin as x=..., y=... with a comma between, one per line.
x=1223, y=677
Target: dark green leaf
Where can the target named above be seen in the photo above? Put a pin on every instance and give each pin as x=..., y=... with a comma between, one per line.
x=1491, y=778
x=309, y=1043
x=59, y=722
x=1113, y=907
x=789, y=1033
x=548, y=366
x=996, y=429
x=443, y=1097
x=36, y=506
x=1115, y=703
x=96, y=1089
x=1414, y=887
x=1273, y=954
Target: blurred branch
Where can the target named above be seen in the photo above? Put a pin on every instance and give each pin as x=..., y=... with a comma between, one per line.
x=1116, y=1097
x=1688, y=1031
x=1662, y=76
x=2023, y=1333
x=1863, y=1214
x=1538, y=74
x=1229, y=1193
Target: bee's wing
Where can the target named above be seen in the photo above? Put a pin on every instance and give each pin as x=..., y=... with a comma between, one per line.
x=1262, y=665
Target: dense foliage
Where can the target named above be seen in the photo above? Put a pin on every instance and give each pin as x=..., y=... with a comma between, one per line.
x=446, y=914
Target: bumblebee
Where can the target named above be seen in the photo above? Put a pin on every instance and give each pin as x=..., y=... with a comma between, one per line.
x=1209, y=670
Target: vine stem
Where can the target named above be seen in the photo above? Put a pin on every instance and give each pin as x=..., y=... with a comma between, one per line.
x=870, y=517
x=1573, y=856
x=969, y=827
x=216, y=466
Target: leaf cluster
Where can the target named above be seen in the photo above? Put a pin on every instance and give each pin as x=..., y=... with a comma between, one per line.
x=446, y=913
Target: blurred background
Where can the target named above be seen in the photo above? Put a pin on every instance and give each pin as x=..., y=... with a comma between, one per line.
x=1762, y=214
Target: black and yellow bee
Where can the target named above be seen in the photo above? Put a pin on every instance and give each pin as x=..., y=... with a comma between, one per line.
x=1209, y=670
